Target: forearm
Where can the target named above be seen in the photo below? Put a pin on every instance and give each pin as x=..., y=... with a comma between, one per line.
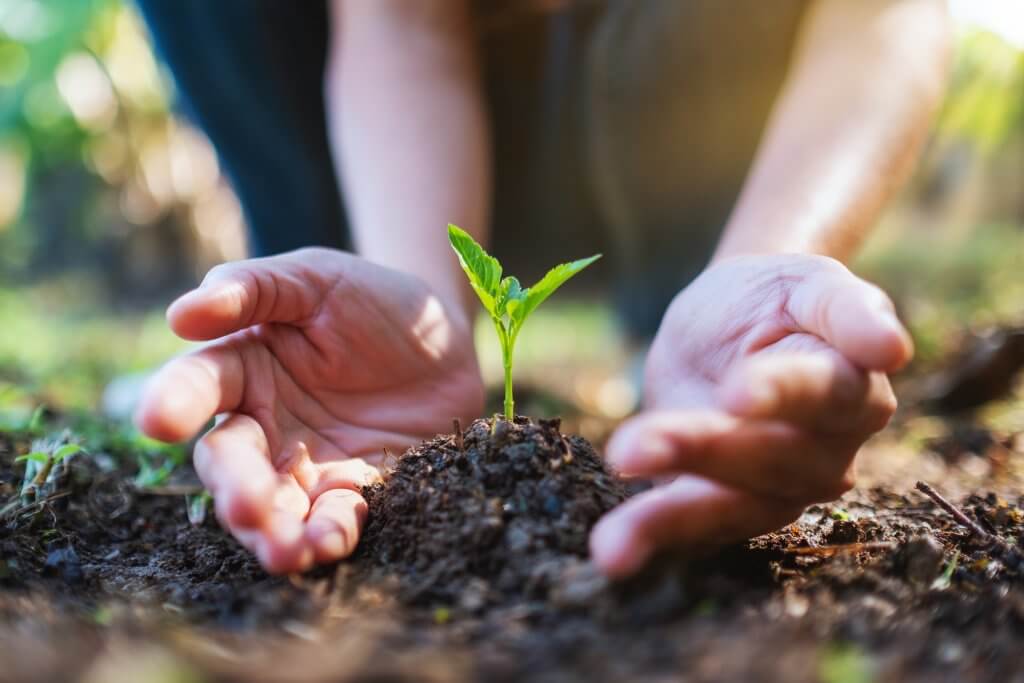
x=866, y=81
x=409, y=132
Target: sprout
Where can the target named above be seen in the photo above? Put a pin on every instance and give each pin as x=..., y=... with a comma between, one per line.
x=504, y=299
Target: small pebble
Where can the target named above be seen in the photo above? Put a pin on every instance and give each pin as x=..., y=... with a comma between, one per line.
x=65, y=563
x=922, y=559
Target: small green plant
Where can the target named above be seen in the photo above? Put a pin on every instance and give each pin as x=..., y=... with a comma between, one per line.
x=945, y=580
x=155, y=468
x=508, y=304
x=39, y=464
x=197, y=506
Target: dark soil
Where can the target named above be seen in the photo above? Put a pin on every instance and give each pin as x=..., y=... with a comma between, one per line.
x=483, y=519
x=473, y=567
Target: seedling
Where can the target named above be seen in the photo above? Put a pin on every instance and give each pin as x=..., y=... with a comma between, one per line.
x=39, y=464
x=151, y=473
x=43, y=472
x=197, y=506
x=508, y=304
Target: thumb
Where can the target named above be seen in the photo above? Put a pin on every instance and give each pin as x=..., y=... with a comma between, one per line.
x=233, y=296
x=855, y=317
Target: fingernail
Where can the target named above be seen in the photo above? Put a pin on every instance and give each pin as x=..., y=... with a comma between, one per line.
x=615, y=451
x=187, y=298
x=286, y=529
x=332, y=543
x=893, y=323
x=614, y=552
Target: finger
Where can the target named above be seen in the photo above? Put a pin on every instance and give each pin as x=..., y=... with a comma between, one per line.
x=763, y=456
x=285, y=289
x=316, y=478
x=821, y=391
x=690, y=512
x=334, y=523
x=282, y=546
x=352, y=474
x=232, y=462
x=187, y=392
x=854, y=316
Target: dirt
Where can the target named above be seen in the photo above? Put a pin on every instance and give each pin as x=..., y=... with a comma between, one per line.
x=473, y=567
x=481, y=518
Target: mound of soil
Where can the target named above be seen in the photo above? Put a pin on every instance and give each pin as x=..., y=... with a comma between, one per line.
x=499, y=512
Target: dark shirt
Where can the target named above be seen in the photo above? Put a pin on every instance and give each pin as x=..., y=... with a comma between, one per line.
x=624, y=126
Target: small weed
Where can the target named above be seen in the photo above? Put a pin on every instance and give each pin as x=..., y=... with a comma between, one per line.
x=45, y=467
x=154, y=470
x=197, y=506
x=840, y=515
x=945, y=580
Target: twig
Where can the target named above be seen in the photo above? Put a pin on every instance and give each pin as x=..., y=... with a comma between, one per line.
x=836, y=549
x=956, y=512
x=457, y=426
x=14, y=508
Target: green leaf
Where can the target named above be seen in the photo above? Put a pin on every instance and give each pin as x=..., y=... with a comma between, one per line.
x=37, y=456
x=65, y=451
x=510, y=294
x=555, y=278
x=483, y=270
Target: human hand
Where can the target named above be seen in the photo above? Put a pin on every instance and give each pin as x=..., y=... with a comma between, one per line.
x=767, y=375
x=319, y=361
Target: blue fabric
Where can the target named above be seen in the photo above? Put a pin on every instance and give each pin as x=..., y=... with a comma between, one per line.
x=250, y=73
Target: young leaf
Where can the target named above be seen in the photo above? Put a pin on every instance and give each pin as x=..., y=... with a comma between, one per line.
x=510, y=293
x=65, y=451
x=555, y=278
x=38, y=457
x=483, y=270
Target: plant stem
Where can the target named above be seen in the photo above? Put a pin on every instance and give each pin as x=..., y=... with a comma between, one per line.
x=507, y=343
x=509, y=403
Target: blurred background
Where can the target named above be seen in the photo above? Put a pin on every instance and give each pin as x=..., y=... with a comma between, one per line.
x=111, y=203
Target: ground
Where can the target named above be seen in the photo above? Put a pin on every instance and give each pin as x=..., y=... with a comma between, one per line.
x=105, y=578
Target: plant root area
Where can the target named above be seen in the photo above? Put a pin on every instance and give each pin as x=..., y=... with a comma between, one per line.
x=473, y=567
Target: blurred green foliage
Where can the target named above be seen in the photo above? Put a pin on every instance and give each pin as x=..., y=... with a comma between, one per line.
x=97, y=176
x=957, y=282
x=58, y=347
x=985, y=104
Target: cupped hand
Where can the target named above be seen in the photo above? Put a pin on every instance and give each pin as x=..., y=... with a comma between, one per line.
x=317, y=361
x=767, y=375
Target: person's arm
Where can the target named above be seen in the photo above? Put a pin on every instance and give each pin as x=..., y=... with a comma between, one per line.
x=769, y=371
x=409, y=132
x=866, y=79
